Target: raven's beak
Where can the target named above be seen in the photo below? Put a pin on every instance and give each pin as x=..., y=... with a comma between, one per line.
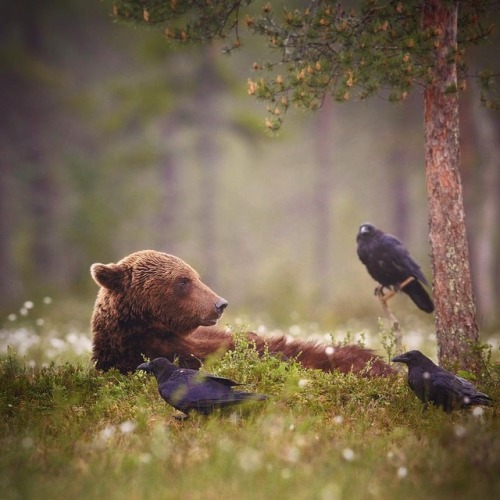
x=400, y=359
x=145, y=367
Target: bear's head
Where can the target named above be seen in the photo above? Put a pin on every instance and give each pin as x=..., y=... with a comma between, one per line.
x=156, y=291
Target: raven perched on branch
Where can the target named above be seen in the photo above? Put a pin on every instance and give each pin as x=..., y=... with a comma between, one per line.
x=389, y=263
x=190, y=390
x=433, y=384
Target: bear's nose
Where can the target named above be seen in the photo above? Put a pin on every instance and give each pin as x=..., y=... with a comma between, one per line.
x=220, y=305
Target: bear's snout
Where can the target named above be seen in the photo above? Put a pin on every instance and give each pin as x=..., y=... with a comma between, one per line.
x=220, y=305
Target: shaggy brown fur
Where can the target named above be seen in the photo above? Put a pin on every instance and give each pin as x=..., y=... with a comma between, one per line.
x=155, y=305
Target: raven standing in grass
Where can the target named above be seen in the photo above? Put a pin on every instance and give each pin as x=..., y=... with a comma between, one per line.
x=433, y=384
x=190, y=390
x=389, y=263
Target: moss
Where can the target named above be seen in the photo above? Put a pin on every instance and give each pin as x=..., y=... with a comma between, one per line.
x=68, y=430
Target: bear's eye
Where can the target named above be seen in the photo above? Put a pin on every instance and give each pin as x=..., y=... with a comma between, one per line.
x=182, y=285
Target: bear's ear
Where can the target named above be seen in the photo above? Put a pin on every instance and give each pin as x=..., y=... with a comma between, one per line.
x=109, y=276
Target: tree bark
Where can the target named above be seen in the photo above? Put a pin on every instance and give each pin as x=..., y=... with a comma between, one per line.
x=455, y=315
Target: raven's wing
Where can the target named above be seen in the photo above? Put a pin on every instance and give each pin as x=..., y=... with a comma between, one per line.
x=198, y=376
x=197, y=391
x=387, y=260
x=448, y=391
x=207, y=399
x=398, y=260
x=418, y=380
x=222, y=380
x=471, y=395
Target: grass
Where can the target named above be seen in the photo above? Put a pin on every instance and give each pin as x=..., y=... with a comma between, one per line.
x=68, y=431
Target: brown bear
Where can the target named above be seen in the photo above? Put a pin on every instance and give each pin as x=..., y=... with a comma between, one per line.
x=154, y=304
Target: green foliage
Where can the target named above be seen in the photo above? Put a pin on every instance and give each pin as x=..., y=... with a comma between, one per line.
x=69, y=430
x=190, y=20
x=325, y=48
x=387, y=340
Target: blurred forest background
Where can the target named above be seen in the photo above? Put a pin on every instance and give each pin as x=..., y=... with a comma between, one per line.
x=113, y=141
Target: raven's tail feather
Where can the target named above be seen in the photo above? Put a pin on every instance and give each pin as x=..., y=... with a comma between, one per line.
x=419, y=295
x=481, y=399
x=245, y=396
x=237, y=398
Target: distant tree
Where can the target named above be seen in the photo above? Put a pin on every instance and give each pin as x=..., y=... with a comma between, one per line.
x=378, y=47
x=322, y=199
x=28, y=118
x=480, y=153
x=208, y=152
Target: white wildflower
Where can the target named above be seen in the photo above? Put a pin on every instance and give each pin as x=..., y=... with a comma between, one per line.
x=477, y=411
x=127, y=427
x=108, y=431
x=80, y=343
x=22, y=340
x=250, y=460
x=145, y=458
x=402, y=472
x=292, y=454
x=57, y=344
x=72, y=338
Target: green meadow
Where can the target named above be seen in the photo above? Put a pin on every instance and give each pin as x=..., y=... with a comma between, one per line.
x=68, y=431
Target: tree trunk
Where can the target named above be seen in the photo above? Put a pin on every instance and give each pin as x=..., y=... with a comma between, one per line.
x=44, y=194
x=455, y=315
x=208, y=155
x=485, y=251
x=170, y=211
x=323, y=132
x=9, y=284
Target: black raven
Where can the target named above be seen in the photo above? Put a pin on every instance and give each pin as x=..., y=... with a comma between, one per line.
x=190, y=390
x=434, y=384
x=389, y=263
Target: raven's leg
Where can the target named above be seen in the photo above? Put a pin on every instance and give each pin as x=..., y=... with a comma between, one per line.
x=379, y=292
x=405, y=282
